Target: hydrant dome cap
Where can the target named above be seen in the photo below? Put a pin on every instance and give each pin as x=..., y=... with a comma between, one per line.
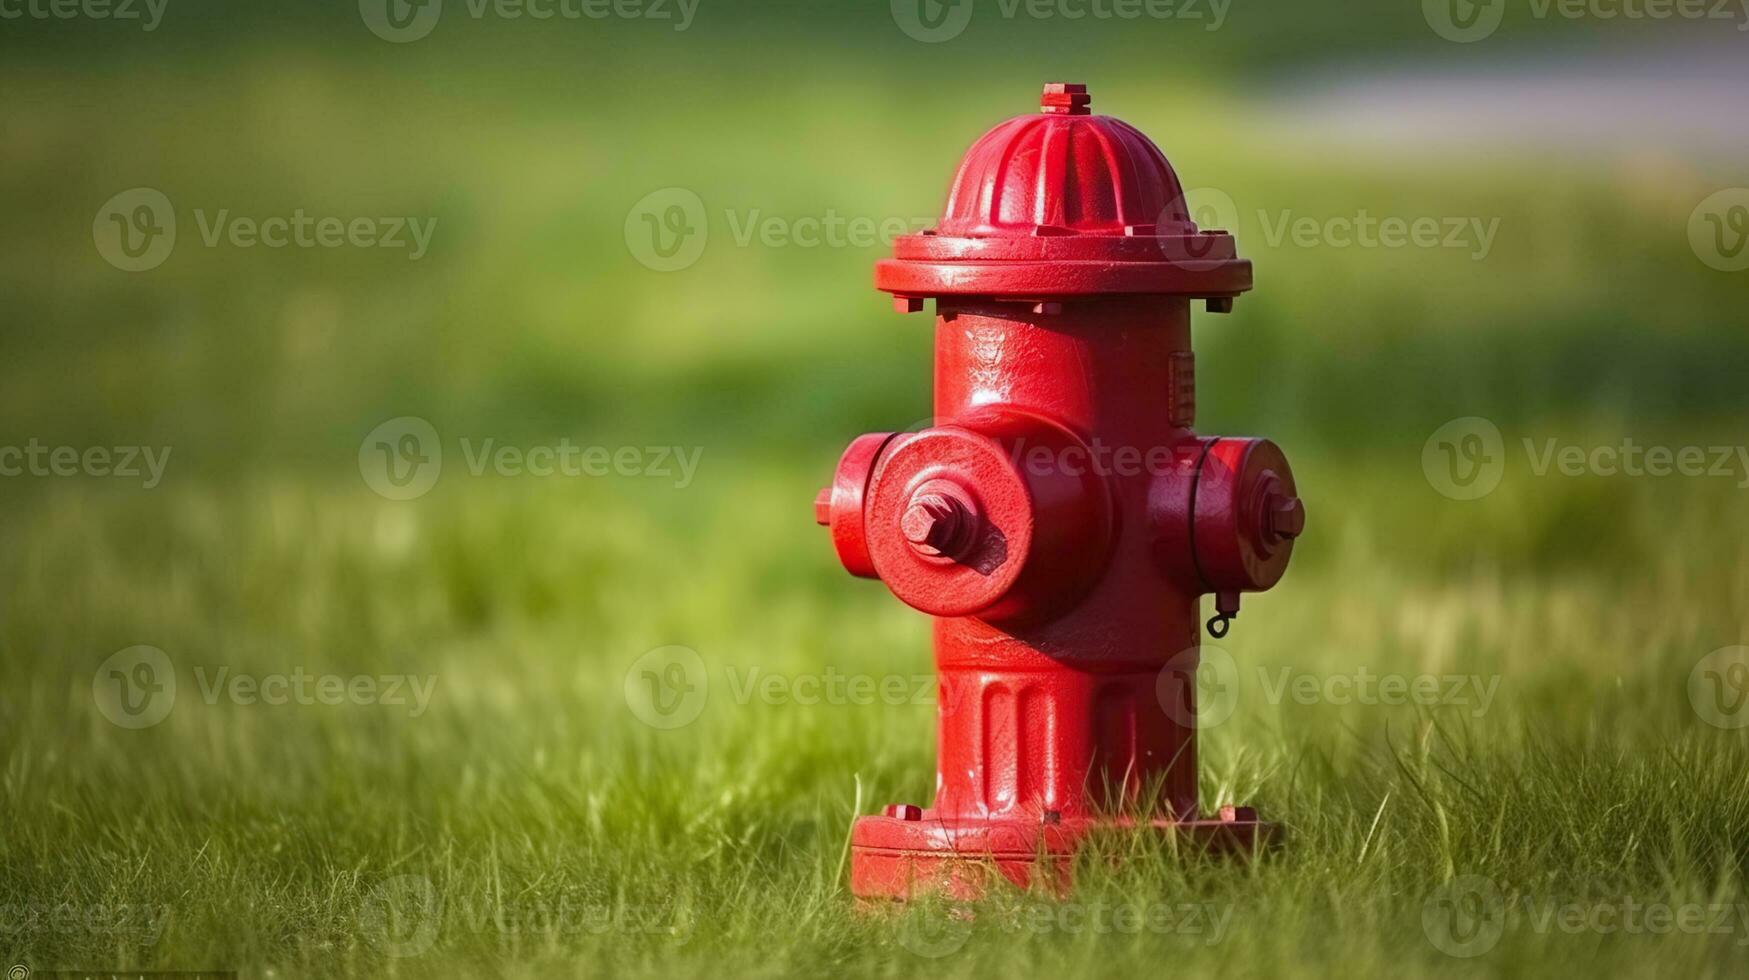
x=1067, y=173
x=1041, y=192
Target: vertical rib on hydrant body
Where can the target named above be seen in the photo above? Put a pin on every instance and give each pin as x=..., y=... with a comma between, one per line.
x=1060, y=519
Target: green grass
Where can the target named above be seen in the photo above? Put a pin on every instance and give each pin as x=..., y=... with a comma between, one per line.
x=559, y=834
x=526, y=822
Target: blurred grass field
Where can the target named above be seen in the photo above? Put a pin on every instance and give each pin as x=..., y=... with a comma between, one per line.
x=525, y=822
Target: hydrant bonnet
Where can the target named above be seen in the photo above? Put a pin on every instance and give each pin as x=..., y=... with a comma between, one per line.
x=1064, y=203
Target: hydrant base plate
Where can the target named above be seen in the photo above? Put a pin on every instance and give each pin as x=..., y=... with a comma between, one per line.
x=897, y=858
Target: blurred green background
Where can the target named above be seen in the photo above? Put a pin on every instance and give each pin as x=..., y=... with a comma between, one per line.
x=267, y=834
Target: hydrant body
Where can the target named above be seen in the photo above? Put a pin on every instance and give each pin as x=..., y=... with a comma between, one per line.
x=1059, y=518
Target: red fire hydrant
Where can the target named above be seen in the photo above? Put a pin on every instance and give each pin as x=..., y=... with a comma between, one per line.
x=1059, y=519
